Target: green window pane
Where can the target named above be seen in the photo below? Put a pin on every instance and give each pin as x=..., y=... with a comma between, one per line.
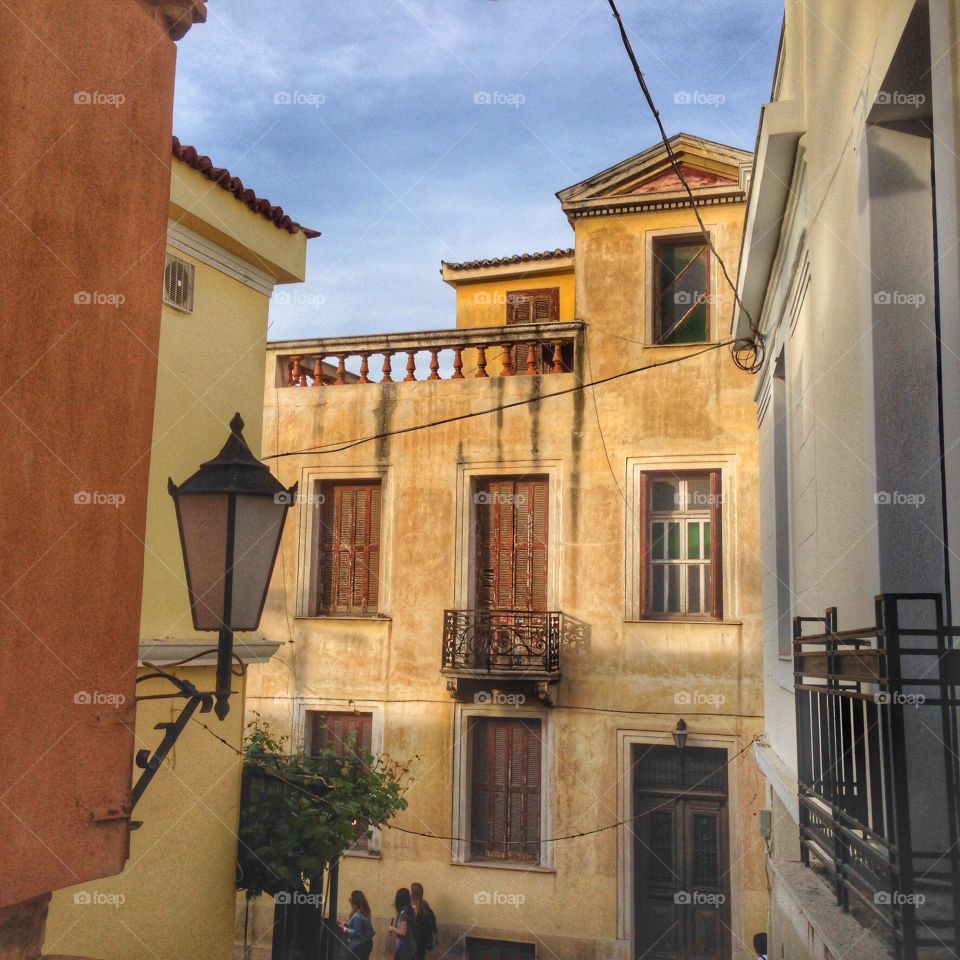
x=693, y=542
x=673, y=540
x=682, y=285
x=706, y=540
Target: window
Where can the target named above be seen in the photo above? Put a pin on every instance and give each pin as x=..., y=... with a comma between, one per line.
x=349, y=548
x=681, y=534
x=178, y=281
x=505, y=789
x=511, y=543
x=681, y=290
x=340, y=731
x=499, y=950
x=533, y=306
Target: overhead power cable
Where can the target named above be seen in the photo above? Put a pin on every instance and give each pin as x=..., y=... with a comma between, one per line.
x=747, y=352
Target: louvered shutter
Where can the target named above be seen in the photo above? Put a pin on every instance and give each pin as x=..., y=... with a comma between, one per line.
x=505, y=807
x=533, y=306
x=341, y=732
x=350, y=548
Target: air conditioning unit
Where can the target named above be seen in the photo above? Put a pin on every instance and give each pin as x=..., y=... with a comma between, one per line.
x=178, y=281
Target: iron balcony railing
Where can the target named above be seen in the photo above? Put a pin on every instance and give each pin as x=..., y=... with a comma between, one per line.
x=878, y=774
x=510, y=642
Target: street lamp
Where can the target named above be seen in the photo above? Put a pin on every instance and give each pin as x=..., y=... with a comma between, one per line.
x=680, y=734
x=230, y=514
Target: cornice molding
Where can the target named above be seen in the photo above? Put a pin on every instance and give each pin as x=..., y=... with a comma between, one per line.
x=200, y=248
x=176, y=17
x=613, y=207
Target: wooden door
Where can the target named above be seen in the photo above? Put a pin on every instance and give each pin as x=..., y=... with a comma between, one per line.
x=681, y=854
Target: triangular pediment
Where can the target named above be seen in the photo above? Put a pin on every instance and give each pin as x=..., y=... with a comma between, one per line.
x=709, y=168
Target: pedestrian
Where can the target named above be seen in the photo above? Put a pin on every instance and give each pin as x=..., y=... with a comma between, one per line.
x=359, y=927
x=425, y=926
x=404, y=926
x=760, y=945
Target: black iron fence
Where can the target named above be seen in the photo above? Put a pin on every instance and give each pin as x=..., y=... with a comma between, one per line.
x=878, y=775
x=503, y=641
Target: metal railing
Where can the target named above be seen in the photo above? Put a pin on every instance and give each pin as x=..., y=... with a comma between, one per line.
x=517, y=642
x=878, y=771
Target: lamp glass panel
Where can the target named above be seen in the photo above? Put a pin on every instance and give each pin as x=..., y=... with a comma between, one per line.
x=203, y=522
x=259, y=523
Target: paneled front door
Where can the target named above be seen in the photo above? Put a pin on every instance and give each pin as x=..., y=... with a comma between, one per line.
x=681, y=854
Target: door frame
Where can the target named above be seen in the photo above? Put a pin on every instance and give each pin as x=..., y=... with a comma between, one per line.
x=625, y=866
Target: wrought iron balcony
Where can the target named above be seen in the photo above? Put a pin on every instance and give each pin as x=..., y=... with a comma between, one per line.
x=505, y=643
x=878, y=768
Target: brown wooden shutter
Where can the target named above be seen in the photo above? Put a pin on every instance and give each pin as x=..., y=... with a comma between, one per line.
x=505, y=806
x=644, y=517
x=533, y=306
x=349, y=548
x=341, y=732
x=716, y=543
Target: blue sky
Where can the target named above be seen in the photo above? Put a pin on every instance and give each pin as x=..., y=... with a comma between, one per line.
x=362, y=120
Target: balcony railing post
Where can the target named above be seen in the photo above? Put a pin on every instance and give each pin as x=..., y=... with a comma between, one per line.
x=457, y=363
x=531, y=360
x=411, y=366
x=481, y=362
x=387, y=368
x=318, y=372
x=364, y=367
x=434, y=364
x=341, y=370
x=557, y=358
x=507, y=369
x=294, y=377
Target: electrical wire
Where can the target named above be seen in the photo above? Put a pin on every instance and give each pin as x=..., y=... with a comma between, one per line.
x=337, y=446
x=747, y=352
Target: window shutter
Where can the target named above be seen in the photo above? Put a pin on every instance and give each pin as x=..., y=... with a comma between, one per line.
x=178, y=283
x=644, y=518
x=533, y=306
x=350, y=548
x=341, y=732
x=716, y=543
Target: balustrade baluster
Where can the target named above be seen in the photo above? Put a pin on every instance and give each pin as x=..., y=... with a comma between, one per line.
x=557, y=358
x=387, y=368
x=434, y=364
x=481, y=362
x=457, y=363
x=364, y=368
x=411, y=365
x=532, y=360
x=341, y=370
x=294, y=377
x=507, y=369
x=318, y=372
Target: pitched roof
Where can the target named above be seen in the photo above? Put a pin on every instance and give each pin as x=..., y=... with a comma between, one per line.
x=223, y=178
x=506, y=261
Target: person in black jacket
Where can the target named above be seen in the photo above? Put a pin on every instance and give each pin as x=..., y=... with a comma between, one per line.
x=425, y=924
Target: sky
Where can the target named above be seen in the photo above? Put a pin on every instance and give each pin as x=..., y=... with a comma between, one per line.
x=414, y=131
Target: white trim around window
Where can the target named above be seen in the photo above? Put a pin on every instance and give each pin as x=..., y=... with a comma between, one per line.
x=307, y=506
x=462, y=780
x=465, y=542
x=695, y=463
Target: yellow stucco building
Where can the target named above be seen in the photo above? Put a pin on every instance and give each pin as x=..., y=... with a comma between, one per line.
x=525, y=550
x=175, y=901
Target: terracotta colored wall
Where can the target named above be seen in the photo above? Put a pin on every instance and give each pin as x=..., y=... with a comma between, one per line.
x=86, y=110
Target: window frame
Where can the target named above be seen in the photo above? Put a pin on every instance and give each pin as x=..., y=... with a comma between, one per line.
x=542, y=292
x=655, y=238
x=461, y=852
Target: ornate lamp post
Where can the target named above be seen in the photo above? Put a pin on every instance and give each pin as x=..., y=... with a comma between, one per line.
x=230, y=514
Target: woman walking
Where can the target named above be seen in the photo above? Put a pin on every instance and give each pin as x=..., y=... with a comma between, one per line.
x=359, y=928
x=404, y=926
x=425, y=925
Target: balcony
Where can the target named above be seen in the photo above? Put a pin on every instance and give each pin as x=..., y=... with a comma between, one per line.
x=878, y=770
x=531, y=349
x=502, y=646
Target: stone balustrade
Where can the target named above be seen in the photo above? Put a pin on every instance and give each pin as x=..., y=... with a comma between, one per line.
x=532, y=349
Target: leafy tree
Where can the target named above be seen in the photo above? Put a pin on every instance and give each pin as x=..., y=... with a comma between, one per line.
x=300, y=812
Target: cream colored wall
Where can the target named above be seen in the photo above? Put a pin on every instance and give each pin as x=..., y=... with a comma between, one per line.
x=483, y=303
x=626, y=675
x=179, y=882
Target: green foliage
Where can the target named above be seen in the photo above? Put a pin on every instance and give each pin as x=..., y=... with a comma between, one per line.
x=300, y=813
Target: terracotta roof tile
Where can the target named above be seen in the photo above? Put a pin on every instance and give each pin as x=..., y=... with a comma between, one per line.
x=234, y=185
x=505, y=261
